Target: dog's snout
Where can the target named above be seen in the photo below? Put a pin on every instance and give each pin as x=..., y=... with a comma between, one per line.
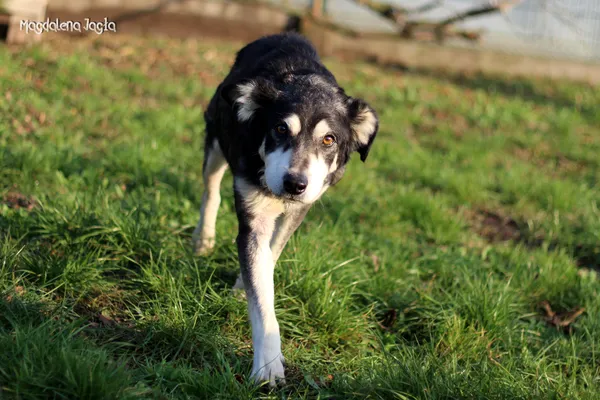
x=295, y=183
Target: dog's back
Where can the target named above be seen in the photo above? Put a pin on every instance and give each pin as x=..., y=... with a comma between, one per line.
x=275, y=54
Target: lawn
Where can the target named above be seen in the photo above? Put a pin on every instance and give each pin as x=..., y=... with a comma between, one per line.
x=460, y=261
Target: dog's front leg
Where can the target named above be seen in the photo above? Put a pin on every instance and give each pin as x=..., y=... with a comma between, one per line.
x=285, y=226
x=257, y=215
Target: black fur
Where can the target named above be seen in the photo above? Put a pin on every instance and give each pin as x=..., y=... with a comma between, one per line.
x=288, y=77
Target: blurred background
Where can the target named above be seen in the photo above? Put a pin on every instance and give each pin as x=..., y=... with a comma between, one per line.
x=504, y=36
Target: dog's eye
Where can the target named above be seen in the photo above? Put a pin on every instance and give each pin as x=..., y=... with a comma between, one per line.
x=328, y=140
x=281, y=129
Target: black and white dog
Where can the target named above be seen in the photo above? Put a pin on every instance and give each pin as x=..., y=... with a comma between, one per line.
x=286, y=130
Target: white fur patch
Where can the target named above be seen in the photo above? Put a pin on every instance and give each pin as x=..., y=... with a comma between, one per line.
x=334, y=164
x=293, y=123
x=316, y=173
x=204, y=234
x=321, y=129
x=257, y=202
x=366, y=127
x=277, y=164
x=247, y=104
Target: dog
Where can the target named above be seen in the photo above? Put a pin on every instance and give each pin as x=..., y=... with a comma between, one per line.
x=286, y=129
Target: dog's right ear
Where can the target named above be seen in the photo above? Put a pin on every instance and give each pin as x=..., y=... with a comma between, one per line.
x=364, y=124
x=248, y=96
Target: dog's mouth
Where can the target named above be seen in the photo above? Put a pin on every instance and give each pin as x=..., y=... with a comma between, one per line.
x=291, y=198
x=287, y=197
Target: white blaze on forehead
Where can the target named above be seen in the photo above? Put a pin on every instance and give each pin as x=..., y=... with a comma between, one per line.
x=247, y=105
x=365, y=127
x=321, y=129
x=293, y=123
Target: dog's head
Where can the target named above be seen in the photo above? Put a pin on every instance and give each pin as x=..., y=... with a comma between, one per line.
x=310, y=128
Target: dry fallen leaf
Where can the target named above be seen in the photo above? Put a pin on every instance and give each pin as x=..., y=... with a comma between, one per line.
x=17, y=200
x=375, y=260
x=106, y=320
x=561, y=320
x=389, y=319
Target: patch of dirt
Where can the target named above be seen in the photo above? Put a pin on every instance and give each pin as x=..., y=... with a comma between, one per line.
x=104, y=309
x=588, y=256
x=493, y=226
x=497, y=227
x=552, y=161
x=17, y=201
x=127, y=50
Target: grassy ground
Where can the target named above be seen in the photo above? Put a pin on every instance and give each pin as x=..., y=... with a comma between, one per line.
x=432, y=271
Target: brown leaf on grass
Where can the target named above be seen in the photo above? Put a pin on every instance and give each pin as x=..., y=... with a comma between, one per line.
x=375, y=260
x=561, y=320
x=324, y=381
x=491, y=356
x=17, y=200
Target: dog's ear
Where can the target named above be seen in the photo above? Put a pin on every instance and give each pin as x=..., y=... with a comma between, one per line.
x=364, y=124
x=248, y=96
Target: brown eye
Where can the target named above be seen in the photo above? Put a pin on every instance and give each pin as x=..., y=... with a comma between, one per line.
x=328, y=140
x=281, y=129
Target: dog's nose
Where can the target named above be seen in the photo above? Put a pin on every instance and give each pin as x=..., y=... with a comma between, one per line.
x=294, y=183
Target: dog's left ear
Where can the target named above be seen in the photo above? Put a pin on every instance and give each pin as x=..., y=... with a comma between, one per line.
x=248, y=96
x=364, y=124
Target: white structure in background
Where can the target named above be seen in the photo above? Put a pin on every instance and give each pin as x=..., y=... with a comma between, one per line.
x=556, y=28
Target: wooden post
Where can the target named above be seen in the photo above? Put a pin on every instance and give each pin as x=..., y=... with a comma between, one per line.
x=317, y=8
x=15, y=11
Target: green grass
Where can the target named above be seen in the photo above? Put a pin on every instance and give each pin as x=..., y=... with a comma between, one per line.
x=419, y=276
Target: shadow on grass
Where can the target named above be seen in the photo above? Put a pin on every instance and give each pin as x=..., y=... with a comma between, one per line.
x=44, y=347
x=496, y=227
x=516, y=87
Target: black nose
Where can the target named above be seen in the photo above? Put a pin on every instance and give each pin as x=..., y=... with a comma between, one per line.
x=294, y=183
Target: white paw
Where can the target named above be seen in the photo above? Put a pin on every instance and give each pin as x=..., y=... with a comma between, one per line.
x=239, y=290
x=203, y=247
x=270, y=370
